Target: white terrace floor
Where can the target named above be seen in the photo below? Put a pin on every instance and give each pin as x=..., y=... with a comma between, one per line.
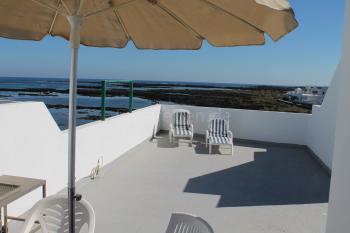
x=261, y=189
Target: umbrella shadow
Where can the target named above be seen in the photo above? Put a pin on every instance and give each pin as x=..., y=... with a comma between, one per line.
x=275, y=177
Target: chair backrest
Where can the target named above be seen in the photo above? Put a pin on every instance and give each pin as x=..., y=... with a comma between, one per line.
x=219, y=123
x=187, y=223
x=181, y=118
x=52, y=215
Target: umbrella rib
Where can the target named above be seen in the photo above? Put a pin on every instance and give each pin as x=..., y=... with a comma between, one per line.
x=110, y=8
x=54, y=18
x=122, y=23
x=227, y=12
x=80, y=6
x=183, y=23
x=50, y=7
x=66, y=7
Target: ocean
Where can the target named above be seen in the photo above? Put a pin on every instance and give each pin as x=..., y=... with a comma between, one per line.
x=53, y=92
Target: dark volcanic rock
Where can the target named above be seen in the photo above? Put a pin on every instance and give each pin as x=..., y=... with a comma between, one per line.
x=256, y=97
x=79, y=107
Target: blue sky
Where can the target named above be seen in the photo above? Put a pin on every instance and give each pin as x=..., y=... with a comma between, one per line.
x=307, y=56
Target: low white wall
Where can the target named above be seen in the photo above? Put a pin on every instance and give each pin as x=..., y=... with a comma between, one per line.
x=113, y=137
x=32, y=145
x=266, y=126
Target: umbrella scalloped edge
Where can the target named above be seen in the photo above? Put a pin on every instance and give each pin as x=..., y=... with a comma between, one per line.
x=275, y=4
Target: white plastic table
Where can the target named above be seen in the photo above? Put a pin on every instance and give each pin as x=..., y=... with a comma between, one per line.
x=11, y=189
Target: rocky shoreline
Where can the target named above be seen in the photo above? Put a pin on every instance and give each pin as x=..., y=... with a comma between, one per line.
x=265, y=98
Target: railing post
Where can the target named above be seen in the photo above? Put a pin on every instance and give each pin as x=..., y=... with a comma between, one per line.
x=103, y=99
x=131, y=95
x=104, y=84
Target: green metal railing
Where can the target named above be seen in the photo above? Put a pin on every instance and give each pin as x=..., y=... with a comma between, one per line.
x=104, y=84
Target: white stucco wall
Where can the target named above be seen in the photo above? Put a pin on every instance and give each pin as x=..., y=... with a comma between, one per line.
x=32, y=145
x=339, y=204
x=321, y=129
x=266, y=126
x=113, y=137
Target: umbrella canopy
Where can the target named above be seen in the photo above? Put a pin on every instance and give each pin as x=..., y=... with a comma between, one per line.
x=149, y=24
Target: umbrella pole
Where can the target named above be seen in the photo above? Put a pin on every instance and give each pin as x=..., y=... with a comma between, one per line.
x=74, y=22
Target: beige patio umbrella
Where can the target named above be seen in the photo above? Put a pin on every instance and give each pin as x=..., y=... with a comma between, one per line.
x=149, y=24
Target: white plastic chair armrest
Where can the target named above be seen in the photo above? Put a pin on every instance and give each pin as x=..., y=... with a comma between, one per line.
x=29, y=223
x=191, y=127
x=230, y=134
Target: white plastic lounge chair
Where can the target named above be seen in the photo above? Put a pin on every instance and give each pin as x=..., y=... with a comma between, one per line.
x=218, y=132
x=51, y=214
x=187, y=223
x=180, y=126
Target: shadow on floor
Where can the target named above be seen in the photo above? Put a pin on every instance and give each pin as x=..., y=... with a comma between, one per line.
x=163, y=142
x=201, y=149
x=279, y=176
x=198, y=145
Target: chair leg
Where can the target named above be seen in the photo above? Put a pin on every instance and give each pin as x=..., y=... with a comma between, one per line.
x=232, y=149
x=206, y=142
x=171, y=138
x=210, y=149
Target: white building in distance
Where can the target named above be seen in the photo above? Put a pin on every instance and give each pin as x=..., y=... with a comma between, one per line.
x=308, y=95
